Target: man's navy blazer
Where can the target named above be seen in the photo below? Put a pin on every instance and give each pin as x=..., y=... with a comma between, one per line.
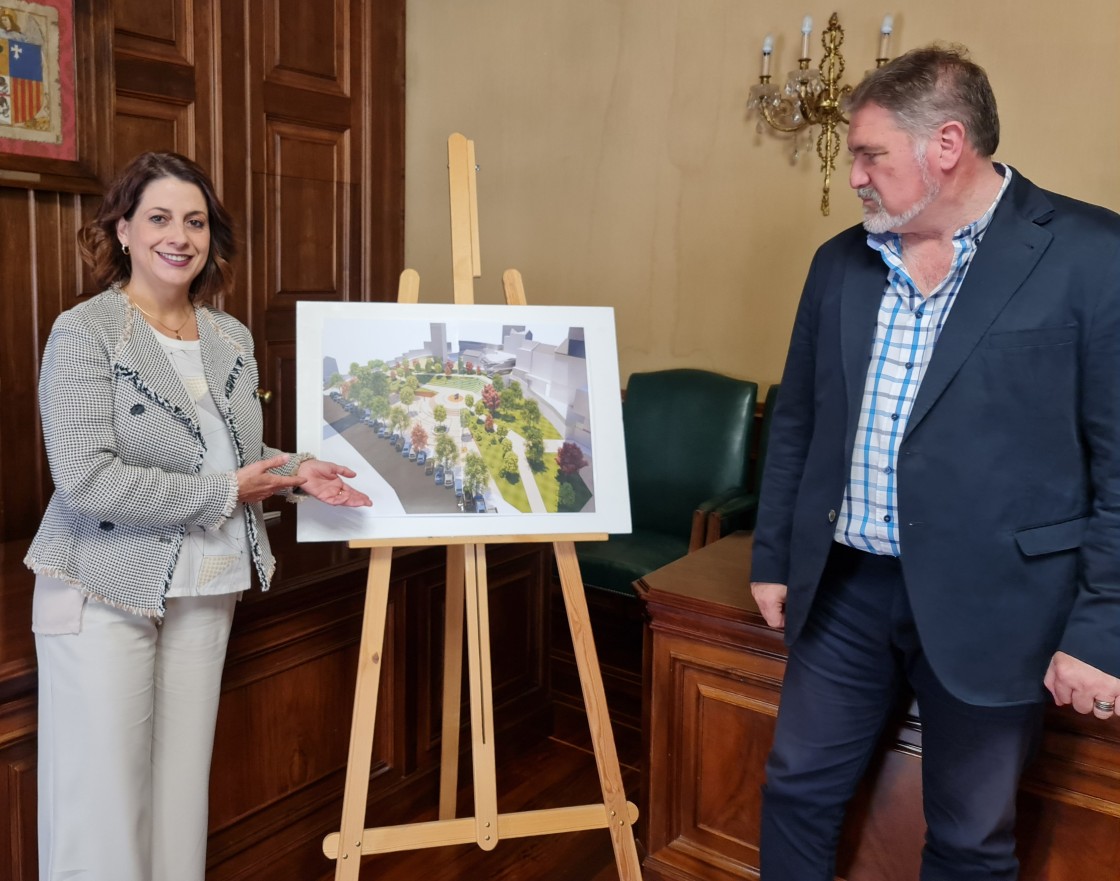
x=1009, y=468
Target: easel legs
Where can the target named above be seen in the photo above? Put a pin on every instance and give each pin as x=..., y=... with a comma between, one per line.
x=467, y=591
x=349, y=843
x=452, y=681
x=620, y=814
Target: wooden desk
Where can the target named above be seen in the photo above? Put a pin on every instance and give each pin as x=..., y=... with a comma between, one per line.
x=713, y=674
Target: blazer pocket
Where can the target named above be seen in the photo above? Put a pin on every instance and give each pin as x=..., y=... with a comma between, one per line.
x=1034, y=336
x=1050, y=539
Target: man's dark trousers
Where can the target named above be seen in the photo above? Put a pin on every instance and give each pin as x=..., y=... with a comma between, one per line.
x=841, y=686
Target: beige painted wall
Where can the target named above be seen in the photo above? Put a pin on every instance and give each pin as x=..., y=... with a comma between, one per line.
x=617, y=165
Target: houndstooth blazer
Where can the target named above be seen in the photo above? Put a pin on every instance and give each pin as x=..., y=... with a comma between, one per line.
x=125, y=451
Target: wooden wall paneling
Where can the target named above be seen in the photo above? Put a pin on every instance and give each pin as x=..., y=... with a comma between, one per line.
x=158, y=29
x=18, y=848
x=59, y=283
x=380, y=46
x=308, y=214
x=306, y=45
x=20, y=451
x=150, y=124
x=164, y=58
x=303, y=214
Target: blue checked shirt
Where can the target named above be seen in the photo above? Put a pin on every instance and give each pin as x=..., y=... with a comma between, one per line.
x=906, y=332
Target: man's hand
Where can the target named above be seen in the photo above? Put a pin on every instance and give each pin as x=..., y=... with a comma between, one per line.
x=771, y=599
x=1074, y=682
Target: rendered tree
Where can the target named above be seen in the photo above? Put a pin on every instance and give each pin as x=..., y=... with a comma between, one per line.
x=502, y=432
x=408, y=395
x=534, y=447
x=510, y=400
x=570, y=459
x=446, y=450
x=475, y=475
x=468, y=400
x=479, y=407
x=419, y=437
x=532, y=411
x=336, y=379
x=492, y=398
x=489, y=423
x=447, y=368
x=440, y=413
x=511, y=465
x=398, y=419
x=379, y=408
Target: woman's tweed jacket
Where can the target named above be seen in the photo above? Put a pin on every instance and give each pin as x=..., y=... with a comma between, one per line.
x=125, y=451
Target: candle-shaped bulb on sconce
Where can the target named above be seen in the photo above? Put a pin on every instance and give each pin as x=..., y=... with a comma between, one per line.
x=767, y=51
x=806, y=29
x=885, y=36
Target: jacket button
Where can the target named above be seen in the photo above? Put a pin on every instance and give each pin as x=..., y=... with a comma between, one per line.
x=106, y=525
x=832, y=516
x=137, y=409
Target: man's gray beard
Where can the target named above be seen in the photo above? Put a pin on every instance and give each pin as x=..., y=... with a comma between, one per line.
x=879, y=222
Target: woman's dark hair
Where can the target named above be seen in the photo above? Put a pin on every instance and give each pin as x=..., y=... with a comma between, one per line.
x=101, y=250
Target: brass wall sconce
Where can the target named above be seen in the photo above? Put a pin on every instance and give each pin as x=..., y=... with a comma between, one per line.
x=811, y=97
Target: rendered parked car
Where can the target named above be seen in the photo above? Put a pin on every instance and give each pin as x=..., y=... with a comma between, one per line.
x=479, y=504
x=439, y=475
x=458, y=487
x=406, y=449
x=430, y=466
x=448, y=477
x=421, y=457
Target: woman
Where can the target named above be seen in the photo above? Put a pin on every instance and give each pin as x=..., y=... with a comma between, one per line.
x=153, y=433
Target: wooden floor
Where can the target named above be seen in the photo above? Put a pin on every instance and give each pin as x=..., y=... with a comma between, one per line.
x=551, y=774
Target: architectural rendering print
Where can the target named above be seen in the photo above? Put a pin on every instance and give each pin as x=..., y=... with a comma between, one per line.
x=456, y=420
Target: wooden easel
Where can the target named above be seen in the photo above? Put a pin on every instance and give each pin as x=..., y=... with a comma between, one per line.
x=467, y=589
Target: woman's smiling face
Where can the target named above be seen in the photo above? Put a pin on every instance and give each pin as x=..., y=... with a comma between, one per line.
x=168, y=237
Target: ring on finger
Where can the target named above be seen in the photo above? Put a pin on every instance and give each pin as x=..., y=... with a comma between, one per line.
x=1104, y=706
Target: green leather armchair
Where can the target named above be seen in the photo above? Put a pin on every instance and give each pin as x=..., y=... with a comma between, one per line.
x=688, y=437
x=738, y=508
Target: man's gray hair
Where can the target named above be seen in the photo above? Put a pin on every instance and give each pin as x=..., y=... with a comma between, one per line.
x=928, y=87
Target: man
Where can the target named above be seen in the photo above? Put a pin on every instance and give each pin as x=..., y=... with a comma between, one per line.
x=941, y=502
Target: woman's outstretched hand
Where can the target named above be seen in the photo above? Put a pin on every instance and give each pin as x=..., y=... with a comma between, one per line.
x=323, y=480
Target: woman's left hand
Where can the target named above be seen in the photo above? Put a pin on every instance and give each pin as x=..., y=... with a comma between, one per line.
x=324, y=482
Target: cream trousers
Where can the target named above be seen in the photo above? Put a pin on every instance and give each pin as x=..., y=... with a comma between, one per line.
x=126, y=730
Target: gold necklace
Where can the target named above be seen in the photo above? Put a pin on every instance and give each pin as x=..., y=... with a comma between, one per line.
x=174, y=330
